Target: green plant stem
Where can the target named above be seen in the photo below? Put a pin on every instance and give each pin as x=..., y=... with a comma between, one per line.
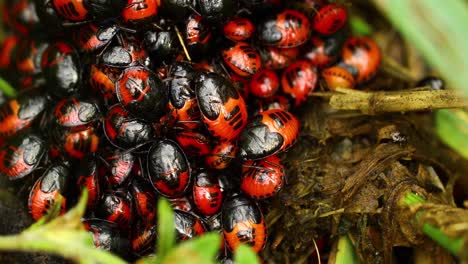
x=6, y=88
x=346, y=253
x=453, y=245
x=29, y=242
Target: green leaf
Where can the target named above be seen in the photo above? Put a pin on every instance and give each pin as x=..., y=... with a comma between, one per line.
x=359, y=26
x=245, y=255
x=200, y=250
x=166, y=229
x=452, y=129
x=438, y=30
x=346, y=253
x=6, y=88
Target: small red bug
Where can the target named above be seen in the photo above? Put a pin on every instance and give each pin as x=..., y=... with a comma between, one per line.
x=48, y=189
x=274, y=58
x=107, y=236
x=363, y=54
x=337, y=76
x=238, y=29
x=102, y=79
x=6, y=51
x=207, y=194
x=169, y=169
x=279, y=102
x=187, y=225
x=299, y=80
x=88, y=178
x=243, y=223
x=329, y=19
x=262, y=179
x=264, y=83
x=91, y=37
x=243, y=59
x=74, y=10
x=72, y=112
x=323, y=51
x=115, y=207
x=268, y=133
x=28, y=56
x=21, y=155
x=223, y=108
x=140, y=11
x=124, y=131
x=18, y=114
x=197, y=32
x=79, y=144
x=221, y=155
x=193, y=143
x=288, y=29
x=241, y=84
x=144, y=239
x=141, y=93
x=21, y=16
x=145, y=200
x=120, y=165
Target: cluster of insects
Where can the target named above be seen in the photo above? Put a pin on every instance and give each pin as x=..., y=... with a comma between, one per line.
x=192, y=100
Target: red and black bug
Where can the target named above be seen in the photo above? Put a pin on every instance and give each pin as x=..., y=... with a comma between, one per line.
x=223, y=109
x=243, y=223
x=72, y=112
x=243, y=59
x=18, y=114
x=299, y=80
x=145, y=199
x=363, y=55
x=74, y=10
x=124, y=131
x=144, y=239
x=119, y=166
x=337, y=76
x=126, y=55
x=91, y=37
x=262, y=179
x=279, y=102
x=21, y=155
x=137, y=12
x=168, y=168
x=177, y=9
x=238, y=29
x=264, y=83
x=193, y=143
x=288, y=29
x=106, y=236
x=61, y=68
x=187, y=225
x=78, y=144
x=88, y=178
x=6, y=51
x=197, y=35
x=217, y=10
x=207, y=194
x=182, y=100
x=115, y=207
x=241, y=84
x=21, y=16
x=329, y=19
x=81, y=10
x=102, y=79
x=28, y=56
x=141, y=93
x=324, y=51
x=48, y=189
x=268, y=133
x=163, y=46
x=274, y=58
x=221, y=155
